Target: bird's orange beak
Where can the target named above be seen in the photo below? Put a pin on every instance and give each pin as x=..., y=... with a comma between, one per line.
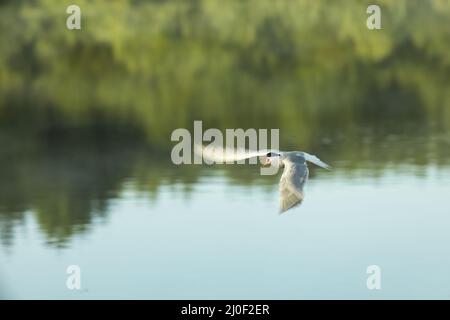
x=265, y=161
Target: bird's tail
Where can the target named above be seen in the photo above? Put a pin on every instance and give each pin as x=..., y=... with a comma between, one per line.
x=313, y=159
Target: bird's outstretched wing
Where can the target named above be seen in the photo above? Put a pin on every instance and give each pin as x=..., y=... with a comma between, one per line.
x=313, y=159
x=227, y=155
x=291, y=186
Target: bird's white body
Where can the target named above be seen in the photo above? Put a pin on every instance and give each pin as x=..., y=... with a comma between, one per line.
x=295, y=173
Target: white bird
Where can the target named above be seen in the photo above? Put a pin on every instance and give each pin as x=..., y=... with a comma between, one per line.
x=295, y=173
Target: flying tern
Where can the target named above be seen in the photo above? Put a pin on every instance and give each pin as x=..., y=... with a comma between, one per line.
x=295, y=173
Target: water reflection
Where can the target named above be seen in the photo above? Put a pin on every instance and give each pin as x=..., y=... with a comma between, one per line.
x=85, y=121
x=67, y=182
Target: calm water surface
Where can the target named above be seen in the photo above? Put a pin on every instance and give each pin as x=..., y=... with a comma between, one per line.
x=86, y=179
x=218, y=237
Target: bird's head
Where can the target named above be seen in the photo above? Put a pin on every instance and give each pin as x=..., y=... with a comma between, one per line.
x=271, y=158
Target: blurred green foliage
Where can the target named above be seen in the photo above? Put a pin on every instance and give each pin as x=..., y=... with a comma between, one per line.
x=159, y=65
x=139, y=69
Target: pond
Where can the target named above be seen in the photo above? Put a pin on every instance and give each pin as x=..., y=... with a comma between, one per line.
x=86, y=177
